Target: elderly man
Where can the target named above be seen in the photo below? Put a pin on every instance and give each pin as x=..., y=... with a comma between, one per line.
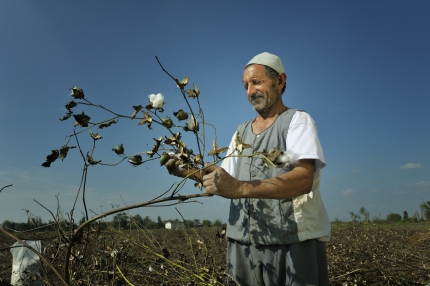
x=277, y=226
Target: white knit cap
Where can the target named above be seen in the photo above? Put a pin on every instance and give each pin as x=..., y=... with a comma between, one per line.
x=268, y=60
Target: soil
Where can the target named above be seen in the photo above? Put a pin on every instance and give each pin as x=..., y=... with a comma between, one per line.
x=358, y=254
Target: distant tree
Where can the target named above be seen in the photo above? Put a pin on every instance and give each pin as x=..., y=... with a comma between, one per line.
x=160, y=223
x=136, y=221
x=189, y=223
x=425, y=210
x=354, y=217
x=405, y=215
x=217, y=223
x=147, y=222
x=365, y=214
x=416, y=217
x=197, y=223
x=206, y=223
x=392, y=217
x=120, y=220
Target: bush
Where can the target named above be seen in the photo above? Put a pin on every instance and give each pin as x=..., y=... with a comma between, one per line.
x=392, y=217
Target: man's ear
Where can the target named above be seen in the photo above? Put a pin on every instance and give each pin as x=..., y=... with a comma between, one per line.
x=281, y=80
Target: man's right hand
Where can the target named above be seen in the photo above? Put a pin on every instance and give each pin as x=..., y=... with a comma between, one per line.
x=174, y=167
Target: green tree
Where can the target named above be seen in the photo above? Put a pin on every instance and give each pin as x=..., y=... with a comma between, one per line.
x=137, y=221
x=206, y=223
x=197, y=223
x=217, y=223
x=120, y=220
x=160, y=223
x=425, y=210
x=392, y=217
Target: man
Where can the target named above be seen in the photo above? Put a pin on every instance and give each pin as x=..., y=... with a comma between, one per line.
x=277, y=226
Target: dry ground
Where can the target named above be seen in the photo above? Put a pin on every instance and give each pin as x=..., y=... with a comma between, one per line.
x=395, y=254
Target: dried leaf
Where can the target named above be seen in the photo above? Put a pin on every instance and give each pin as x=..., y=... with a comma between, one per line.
x=67, y=116
x=174, y=139
x=270, y=157
x=64, y=150
x=198, y=160
x=70, y=105
x=77, y=93
x=239, y=145
x=95, y=136
x=199, y=185
x=82, y=119
x=181, y=84
x=51, y=158
x=103, y=125
x=146, y=119
x=215, y=150
x=136, y=110
x=154, y=149
x=91, y=160
x=193, y=92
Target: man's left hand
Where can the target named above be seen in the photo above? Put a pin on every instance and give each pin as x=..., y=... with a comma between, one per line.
x=219, y=182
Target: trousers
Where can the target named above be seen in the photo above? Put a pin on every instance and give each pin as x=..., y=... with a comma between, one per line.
x=297, y=264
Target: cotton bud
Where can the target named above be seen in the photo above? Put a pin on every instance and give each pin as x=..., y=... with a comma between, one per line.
x=164, y=158
x=181, y=115
x=77, y=92
x=167, y=122
x=118, y=149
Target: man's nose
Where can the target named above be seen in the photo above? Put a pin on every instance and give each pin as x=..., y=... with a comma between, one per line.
x=250, y=90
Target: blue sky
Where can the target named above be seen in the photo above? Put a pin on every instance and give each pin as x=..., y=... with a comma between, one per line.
x=360, y=68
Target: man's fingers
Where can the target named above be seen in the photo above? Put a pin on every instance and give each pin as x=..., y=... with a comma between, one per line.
x=209, y=169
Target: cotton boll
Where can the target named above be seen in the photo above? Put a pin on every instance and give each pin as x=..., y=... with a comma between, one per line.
x=157, y=100
x=286, y=157
x=191, y=124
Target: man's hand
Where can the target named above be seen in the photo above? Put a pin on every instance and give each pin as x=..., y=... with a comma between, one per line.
x=174, y=167
x=219, y=182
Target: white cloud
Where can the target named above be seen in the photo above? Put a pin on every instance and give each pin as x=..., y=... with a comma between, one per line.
x=348, y=192
x=412, y=166
x=421, y=184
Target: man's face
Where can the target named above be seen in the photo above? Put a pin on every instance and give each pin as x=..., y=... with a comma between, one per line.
x=260, y=88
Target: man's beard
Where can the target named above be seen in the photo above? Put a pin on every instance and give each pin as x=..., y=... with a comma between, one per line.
x=265, y=104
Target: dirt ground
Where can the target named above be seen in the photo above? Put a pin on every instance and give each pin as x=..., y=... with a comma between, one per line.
x=397, y=254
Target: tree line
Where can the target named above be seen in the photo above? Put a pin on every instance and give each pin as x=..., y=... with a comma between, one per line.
x=364, y=216
x=119, y=221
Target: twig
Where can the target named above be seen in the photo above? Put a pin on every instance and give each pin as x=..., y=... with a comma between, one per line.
x=6, y=187
x=347, y=273
x=81, y=227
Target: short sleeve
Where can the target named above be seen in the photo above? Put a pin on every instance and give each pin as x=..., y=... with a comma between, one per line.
x=303, y=139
